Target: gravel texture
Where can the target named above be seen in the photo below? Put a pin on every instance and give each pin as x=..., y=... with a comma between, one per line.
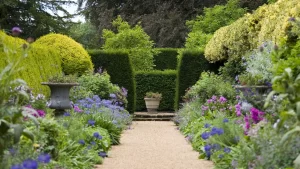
x=153, y=145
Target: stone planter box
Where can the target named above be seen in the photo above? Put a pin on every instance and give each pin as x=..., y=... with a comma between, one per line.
x=152, y=104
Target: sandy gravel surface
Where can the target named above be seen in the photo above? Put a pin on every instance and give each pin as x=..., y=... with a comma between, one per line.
x=153, y=145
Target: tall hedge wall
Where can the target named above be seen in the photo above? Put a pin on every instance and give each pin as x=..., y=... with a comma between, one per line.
x=268, y=23
x=163, y=82
x=39, y=64
x=190, y=66
x=166, y=58
x=118, y=66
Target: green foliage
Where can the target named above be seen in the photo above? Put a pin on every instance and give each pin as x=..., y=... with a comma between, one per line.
x=251, y=30
x=214, y=18
x=134, y=40
x=231, y=69
x=153, y=95
x=163, y=82
x=60, y=78
x=98, y=84
x=85, y=34
x=118, y=66
x=190, y=65
x=74, y=58
x=39, y=64
x=208, y=85
x=258, y=65
x=166, y=58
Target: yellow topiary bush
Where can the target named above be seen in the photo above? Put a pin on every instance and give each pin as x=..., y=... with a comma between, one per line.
x=269, y=22
x=39, y=63
x=74, y=58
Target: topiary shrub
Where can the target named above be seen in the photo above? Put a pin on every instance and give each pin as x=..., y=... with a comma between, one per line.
x=269, y=22
x=190, y=65
x=166, y=58
x=118, y=66
x=39, y=63
x=74, y=58
x=163, y=82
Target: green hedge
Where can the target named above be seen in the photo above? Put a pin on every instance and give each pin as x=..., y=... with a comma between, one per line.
x=41, y=62
x=119, y=67
x=166, y=58
x=163, y=82
x=190, y=66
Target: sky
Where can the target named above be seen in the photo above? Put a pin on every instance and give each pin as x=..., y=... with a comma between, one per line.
x=72, y=9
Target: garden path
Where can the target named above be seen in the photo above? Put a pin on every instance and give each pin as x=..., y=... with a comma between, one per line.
x=153, y=145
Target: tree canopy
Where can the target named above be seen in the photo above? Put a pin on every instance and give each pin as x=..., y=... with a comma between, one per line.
x=35, y=17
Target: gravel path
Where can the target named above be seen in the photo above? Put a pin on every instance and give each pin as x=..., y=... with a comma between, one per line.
x=153, y=145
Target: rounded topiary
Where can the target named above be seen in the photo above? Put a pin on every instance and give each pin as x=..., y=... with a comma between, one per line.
x=74, y=58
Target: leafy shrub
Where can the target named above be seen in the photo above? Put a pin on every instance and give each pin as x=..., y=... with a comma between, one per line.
x=251, y=30
x=208, y=85
x=258, y=66
x=163, y=82
x=231, y=69
x=74, y=58
x=98, y=84
x=166, y=58
x=205, y=25
x=135, y=40
x=190, y=65
x=115, y=62
x=38, y=64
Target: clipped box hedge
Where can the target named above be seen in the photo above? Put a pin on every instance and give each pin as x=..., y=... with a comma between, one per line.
x=40, y=63
x=163, y=82
x=190, y=65
x=166, y=58
x=119, y=67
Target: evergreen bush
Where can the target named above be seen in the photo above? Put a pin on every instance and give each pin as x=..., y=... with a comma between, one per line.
x=166, y=58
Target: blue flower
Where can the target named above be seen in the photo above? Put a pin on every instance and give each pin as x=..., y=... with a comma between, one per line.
x=67, y=114
x=207, y=147
x=206, y=125
x=205, y=135
x=102, y=154
x=81, y=142
x=216, y=146
x=30, y=164
x=227, y=150
x=113, y=96
x=44, y=158
x=220, y=131
x=17, y=166
x=221, y=156
x=97, y=135
x=93, y=143
x=91, y=122
x=214, y=131
x=12, y=151
x=225, y=120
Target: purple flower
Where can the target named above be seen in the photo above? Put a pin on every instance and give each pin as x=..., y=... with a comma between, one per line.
x=206, y=125
x=93, y=143
x=225, y=120
x=292, y=19
x=41, y=113
x=220, y=131
x=44, y=158
x=30, y=164
x=97, y=135
x=209, y=101
x=216, y=146
x=256, y=115
x=77, y=109
x=214, y=98
x=205, y=135
x=91, y=122
x=227, y=150
x=222, y=99
x=124, y=91
x=204, y=108
x=17, y=166
x=238, y=110
x=102, y=154
x=16, y=29
x=81, y=142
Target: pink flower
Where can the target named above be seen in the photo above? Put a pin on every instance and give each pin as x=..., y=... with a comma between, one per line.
x=77, y=109
x=222, y=99
x=238, y=110
x=41, y=113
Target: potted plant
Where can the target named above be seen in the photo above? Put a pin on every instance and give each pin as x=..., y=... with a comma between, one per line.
x=152, y=100
x=60, y=86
